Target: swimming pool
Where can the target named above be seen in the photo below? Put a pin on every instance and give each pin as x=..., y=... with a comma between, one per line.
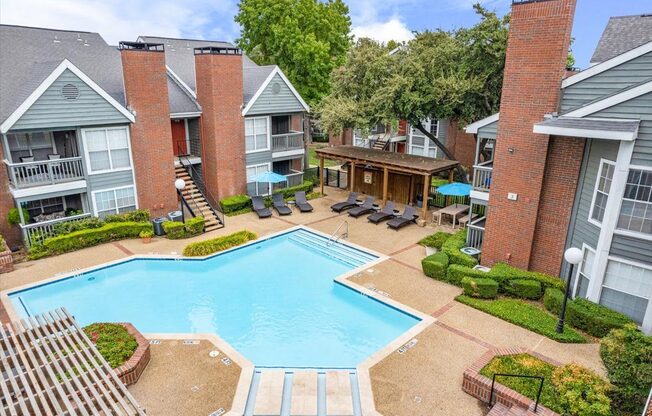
x=275, y=301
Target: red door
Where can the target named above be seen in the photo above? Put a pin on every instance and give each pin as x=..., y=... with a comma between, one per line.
x=179, y=137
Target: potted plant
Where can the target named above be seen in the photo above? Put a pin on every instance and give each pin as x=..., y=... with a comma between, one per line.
x=146, y=236
x=433, y=242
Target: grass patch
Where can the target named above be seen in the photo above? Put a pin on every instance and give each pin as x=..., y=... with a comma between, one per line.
x=206, y=247
x=113, y=341
x=524, y=315
x=313, y=160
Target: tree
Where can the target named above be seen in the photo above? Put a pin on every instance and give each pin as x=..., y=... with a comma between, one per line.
x=307, y=39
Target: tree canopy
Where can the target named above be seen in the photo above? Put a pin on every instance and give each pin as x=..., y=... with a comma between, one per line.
x=439, y=74
x=307, y=39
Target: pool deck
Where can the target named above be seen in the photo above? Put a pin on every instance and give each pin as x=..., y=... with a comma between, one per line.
x=425, y=380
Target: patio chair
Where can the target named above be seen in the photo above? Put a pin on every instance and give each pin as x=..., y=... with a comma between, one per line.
x=279, y=205
x=301, y=202
x=366, y=207
x=384, y=214
x=259, y=206
x=349, y=203
x=404, y=219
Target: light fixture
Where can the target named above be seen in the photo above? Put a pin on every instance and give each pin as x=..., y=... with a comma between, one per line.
x=573, y=256
x=180, y=184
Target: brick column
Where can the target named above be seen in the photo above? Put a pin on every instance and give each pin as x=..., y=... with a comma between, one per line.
x=219, y=91
x=143, y=67
x=539, y=38
x=462, y=144
x=11, y=233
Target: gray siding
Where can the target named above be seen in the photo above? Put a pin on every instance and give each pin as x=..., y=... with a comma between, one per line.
x=637, y=108
x=631, y=248
x=109, y=180
x=258, y=158
x=51, y=110
x=488, y=131
x=193, y=135
x=606, y=83
x=420, y=140
x=270, y=103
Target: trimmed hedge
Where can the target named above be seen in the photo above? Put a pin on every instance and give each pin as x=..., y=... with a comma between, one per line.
x=235, y=203
x=435, y=266
x=592, y=318
x=138, y=215
x=72, y=226
x=289, y=192
x=93, y=236
x=524, y=288
x=480, y=287
x=456, y=273
x=176, y=230
x=113, y=341
x=503, y=273
x=204, y=248
x=240, y=204
x=452, y=248
x=435, y=240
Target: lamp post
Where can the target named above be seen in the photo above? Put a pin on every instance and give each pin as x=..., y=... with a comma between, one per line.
x=573, y=256
x=180, y=184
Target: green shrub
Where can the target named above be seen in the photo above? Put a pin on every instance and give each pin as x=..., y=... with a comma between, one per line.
x=2, y=243
x=37, y=251
x=138, y=215
x=90, y=237
x=590, y=317
x=195, y=226
x=146, y=234
x=235, y=203
x=435, y=240
x=627, y=356
x=72, y=226
x=524, y=288
x=480, y=287
x=176, y=230
x=452, y=248
x=456, y=273
x=581, y=392
x=503, y=273
x=204, y=248
x=113, y=341
x=289, y=192
x=13, y=216
x=525, y=315
x=435, y=266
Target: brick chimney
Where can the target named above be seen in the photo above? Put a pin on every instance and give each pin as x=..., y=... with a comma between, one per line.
x=539, y=37
x=143, y=67
x=218, y=73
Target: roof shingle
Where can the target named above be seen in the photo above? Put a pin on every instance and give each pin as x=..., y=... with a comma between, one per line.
x=622, y=34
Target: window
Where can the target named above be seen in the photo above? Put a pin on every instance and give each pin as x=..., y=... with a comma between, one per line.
x=434, y=128
x=627, y=288
x=584, y=272
x=107, y=149
x=257, y=188
x=636, y=210
x=601, y=192
x=114, y=201
x=379, y=128
x=256, y=134
x=44, y=206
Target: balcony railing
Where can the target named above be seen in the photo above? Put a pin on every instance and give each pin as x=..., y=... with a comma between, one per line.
x=45, y=172
x=287, y=141
x=482, y=176
x=293, y=179
x=39, y=231
x=475, y=233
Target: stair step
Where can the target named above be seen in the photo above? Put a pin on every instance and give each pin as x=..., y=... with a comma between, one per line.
x=339, y=393
x=269, y=397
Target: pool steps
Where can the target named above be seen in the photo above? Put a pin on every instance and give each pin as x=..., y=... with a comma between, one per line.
x=291, y=392
x=338, y=251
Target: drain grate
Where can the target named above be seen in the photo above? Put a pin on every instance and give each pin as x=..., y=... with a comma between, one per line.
x=226, y=361
x=218, y=412
x=213, y=353
x=407, y=346
x=154, y=341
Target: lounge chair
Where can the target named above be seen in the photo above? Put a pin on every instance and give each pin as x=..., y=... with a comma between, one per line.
x=301, y=202
x=259, y=206
x=384, y=214
x=366, y=207
x=404, y=219
x=279, y=205
x=349, y=203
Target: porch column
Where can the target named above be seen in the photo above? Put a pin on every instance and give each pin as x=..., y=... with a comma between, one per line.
x=451, y=175
x=411, y=192
x=321, y=175
x=426, y=190
x=352, y=175
x=385, y=183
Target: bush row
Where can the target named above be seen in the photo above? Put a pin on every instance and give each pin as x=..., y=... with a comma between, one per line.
x=238, y=204
x=435, y=265
x=480, y=287
x=435, y=240
x=452, y=247
x=139, y=215
x=204, y=248
x=176, y=230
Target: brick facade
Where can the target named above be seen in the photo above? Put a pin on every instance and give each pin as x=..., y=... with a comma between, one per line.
x=219, y=92
x=151, y=137
x=131, y=370
x=539, y=38
x=341, y=139
x=555, y=208
x=461, y=143
x=11, y=233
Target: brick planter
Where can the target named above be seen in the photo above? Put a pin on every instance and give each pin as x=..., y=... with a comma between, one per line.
x=6, y=259
x=479, y=386
x=130, y=371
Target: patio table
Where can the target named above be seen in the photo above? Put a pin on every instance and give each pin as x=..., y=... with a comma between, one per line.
x=453, y=210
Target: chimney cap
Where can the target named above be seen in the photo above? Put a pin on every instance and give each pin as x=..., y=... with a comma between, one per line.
x=217, y=50
x=141, y=46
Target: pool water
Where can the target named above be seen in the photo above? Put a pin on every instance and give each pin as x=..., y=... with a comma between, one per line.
x=275, y=301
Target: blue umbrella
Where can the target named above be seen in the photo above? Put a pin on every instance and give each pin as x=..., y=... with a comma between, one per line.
x=269, y=177
x=455, y=189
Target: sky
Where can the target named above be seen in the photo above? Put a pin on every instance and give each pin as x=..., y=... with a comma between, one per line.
x=383, y=20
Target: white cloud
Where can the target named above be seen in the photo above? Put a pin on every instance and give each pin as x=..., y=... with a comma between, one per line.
x=392, y=29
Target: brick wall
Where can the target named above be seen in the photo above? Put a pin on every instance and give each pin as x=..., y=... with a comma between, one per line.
x=11, y=233
x=151, y=136
x=344, y=138
x=556, y=205
x=219, y=91
x=539, y=37
x=461, y=143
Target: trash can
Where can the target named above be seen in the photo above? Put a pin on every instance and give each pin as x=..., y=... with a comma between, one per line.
x=158, y=225
x=175, y=216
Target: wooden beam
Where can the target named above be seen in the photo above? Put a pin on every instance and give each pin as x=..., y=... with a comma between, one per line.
x=385, y=183
x=352, y=176
x=321, y=175
x=451, y=176
x=426, y=190
x=411, y=193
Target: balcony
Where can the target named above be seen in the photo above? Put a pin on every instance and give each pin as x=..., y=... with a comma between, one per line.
x=482, y=176
x=475, y=233
x=44, y=172
x=287, y=141
x=37, y=232
x=294, y=178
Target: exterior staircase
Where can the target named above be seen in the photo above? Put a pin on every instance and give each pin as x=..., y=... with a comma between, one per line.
x=380, y=142
x=197, y=202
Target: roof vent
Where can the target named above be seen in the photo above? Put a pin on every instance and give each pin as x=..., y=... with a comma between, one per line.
x=276, y=88
x=70, y=92
x=141, y=46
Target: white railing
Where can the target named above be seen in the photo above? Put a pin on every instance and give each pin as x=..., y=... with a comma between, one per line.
x=475, y=233
x=293, y=179
x=362, y=142
x=45, y=172
x=39, y=231
x=335, y=237
x=287, y=141
x=482, y=176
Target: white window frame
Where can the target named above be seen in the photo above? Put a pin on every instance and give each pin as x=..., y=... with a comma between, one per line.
x=93, y=197
x=269, y=169
x=595, y=189
x=630, y=233
x=87, y=156
x=646, y=317
x=427, y=143
x=269, y=139
x=585, y=248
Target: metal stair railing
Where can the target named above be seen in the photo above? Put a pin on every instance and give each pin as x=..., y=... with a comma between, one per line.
x=334, y=238
x=201, y=187
x=493, y=382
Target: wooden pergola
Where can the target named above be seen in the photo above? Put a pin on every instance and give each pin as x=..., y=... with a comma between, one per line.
x=386, y=162
x=50, y=367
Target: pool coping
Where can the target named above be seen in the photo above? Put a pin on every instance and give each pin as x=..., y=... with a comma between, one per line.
x=363, y=369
